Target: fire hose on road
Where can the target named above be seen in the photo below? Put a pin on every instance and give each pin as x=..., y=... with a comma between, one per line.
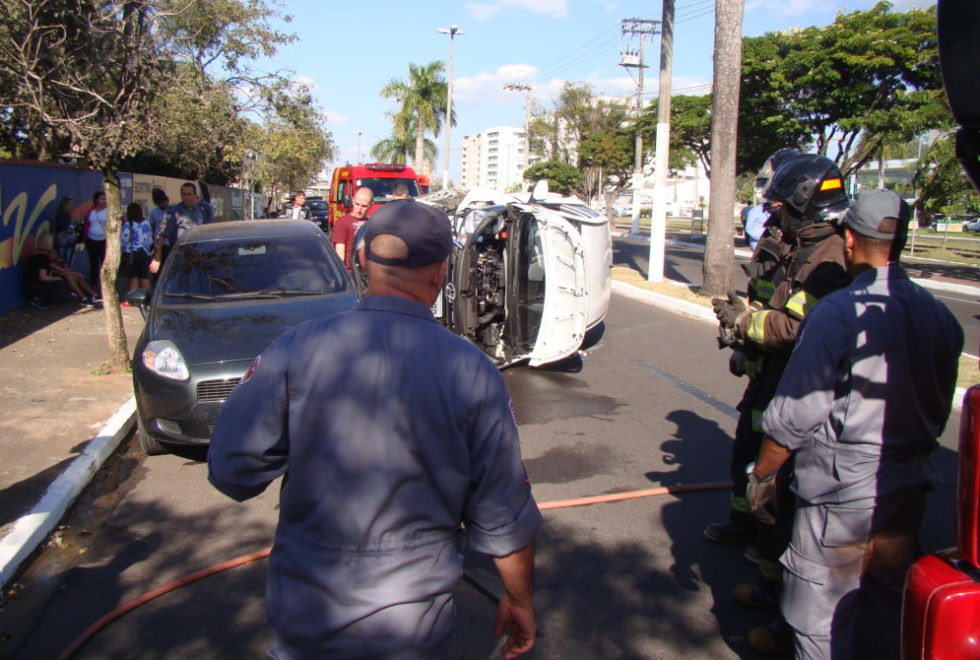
x=124, y=609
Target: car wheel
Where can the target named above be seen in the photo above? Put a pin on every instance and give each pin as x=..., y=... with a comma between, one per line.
x=593, y=335
x=150, y=445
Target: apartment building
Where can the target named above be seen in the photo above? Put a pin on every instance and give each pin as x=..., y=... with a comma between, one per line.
x=493, y=158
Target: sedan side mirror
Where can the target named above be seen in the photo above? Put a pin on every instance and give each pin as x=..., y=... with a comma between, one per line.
x=139, y=298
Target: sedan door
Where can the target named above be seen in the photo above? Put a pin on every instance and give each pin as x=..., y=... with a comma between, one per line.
x=548, y=299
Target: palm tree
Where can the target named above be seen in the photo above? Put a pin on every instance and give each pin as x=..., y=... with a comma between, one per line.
x=395, y=149
x=423, y=103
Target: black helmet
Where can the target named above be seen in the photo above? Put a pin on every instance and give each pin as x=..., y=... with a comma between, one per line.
x=811, y=187
x=778, y=158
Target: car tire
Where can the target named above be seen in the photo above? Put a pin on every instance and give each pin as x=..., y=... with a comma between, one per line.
x=593, y=335
x=150, y=445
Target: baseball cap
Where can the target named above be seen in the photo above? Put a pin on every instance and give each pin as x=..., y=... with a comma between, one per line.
x=871, y=207
x=424, y=229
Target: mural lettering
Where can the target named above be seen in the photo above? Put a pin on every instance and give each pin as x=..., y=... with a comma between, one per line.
x=12, y=247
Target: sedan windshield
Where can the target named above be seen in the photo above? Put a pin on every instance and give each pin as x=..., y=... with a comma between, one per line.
x=243, y=269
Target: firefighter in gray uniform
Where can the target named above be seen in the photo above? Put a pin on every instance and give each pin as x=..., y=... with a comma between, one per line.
x=866, y=393
x=398, y=447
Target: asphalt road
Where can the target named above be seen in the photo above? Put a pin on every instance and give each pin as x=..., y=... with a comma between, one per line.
x=686, y=263
x=650, y=405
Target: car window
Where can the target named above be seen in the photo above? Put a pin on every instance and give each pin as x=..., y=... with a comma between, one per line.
x=530, y=291
x=317, y=205
x=212, y=270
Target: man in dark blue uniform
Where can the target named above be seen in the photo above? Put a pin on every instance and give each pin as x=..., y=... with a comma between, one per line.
x=391, y=431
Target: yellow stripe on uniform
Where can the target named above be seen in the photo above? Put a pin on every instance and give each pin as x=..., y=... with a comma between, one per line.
x=757, y=326
x=764, y=289
x=757, y=420
x=801, y=303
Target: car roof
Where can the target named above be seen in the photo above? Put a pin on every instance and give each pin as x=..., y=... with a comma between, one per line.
x=237, y=229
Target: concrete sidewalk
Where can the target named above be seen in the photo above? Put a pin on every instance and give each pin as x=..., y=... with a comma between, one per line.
x=60, y=417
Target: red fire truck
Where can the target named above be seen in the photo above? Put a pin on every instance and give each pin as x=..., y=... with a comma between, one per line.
x=381, y=178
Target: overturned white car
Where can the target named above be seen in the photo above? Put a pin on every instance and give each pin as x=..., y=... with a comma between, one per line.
x=530, y=277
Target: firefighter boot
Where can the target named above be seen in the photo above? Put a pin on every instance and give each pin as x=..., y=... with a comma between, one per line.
x=765, y=595
x=777, y=637
x=740, y=525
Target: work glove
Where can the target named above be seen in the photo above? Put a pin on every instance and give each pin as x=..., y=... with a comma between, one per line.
x=754, y=269
x=728, y=310
x=761, y=495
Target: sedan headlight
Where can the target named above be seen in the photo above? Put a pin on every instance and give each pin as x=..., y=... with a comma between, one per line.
x=162, y=357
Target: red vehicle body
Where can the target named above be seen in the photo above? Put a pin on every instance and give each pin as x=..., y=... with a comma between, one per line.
x=381, y=178
x=941, y=612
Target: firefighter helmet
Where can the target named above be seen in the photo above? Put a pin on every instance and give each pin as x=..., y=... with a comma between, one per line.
x=810, y=187
x=773, y=163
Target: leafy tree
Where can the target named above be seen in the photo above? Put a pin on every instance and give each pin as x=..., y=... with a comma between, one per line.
x=690, y=130
x=589, y=134
x=87, y=71
x=562, y=177
x=606, y=161
x=82, y=75
x=869, y=79
x=940, y=184
x=423, y=104
x=293, y=142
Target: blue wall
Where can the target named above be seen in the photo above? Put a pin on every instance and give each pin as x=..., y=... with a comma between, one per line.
x=29, y=195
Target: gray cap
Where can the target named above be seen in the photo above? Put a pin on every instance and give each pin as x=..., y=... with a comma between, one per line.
x=871, y=207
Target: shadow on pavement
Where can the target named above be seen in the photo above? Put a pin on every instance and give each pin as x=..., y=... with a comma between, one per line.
x=19, y=323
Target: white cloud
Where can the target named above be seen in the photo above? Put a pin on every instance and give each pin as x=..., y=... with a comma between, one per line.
x=489, y=87
x=905, y=5
x=484, y=11
x=334, y=117
x=785, y=7
x=306, y=81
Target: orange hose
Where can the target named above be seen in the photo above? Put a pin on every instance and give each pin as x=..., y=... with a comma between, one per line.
x=633, y=494
x=117, y=613
x=159, y=591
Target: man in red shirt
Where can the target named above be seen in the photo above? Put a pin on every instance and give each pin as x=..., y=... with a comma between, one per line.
x=346, y=226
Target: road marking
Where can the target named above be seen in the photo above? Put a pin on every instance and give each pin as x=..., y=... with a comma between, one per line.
x=959, y=300
x=690, y=389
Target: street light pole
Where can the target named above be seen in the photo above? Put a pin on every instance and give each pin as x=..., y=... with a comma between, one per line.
x=452, y=31
x=360, y=159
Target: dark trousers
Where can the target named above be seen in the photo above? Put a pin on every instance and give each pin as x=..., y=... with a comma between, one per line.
x=96, y=255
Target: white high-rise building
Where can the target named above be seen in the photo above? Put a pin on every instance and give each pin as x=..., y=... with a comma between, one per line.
x=494, y=158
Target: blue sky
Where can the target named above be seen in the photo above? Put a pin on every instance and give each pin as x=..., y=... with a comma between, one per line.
x=346, y=52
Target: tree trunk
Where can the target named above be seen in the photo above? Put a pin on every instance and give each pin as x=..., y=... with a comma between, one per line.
x=115, y=333
x=419, y=147
x=719, y=259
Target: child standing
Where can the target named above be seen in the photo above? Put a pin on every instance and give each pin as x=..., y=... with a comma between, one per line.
x=137, y=245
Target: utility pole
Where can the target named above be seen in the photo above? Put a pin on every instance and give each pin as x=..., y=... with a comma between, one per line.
x=658, y=218
x=452, y=31
x=527, y=120
x=641, y=27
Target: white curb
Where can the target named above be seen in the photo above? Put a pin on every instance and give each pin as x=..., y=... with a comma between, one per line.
x=33, y=527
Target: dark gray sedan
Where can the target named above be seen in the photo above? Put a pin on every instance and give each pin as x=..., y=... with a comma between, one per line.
x=226, y=290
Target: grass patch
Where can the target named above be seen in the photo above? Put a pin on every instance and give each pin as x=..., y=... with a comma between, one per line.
x=667, y=288
x=953, y=252
x=968, y=374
